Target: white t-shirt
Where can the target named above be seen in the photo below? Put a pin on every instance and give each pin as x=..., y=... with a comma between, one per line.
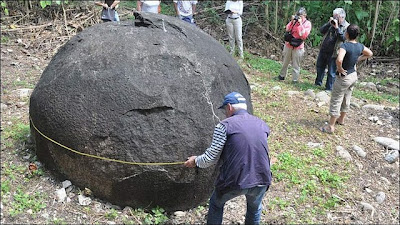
x=234, y=6
x=185, y=7
x=150, y=6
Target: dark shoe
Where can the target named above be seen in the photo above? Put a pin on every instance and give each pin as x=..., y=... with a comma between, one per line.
x=281, y=78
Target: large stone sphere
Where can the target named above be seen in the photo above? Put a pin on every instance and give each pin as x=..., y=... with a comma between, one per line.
x=135, y=91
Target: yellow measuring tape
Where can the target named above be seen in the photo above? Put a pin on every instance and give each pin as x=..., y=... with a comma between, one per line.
x=104, y=158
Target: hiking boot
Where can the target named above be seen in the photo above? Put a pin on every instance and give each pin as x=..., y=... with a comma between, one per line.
x=281, y=78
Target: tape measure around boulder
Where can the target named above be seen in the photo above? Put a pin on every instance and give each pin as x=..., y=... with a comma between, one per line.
x=104, y=158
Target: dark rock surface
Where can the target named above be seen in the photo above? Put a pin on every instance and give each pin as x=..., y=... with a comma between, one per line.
x=140, y=92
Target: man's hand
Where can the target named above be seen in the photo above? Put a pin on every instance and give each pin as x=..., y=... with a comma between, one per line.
x=190, y=162
x=342, y=71
x=334, y=22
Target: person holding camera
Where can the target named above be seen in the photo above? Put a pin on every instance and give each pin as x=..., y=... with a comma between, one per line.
x=297, y=31
x=350, y=53
x=334, y=31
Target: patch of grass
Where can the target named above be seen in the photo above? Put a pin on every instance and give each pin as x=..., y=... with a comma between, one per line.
x=111, y=215
x=5, y=187
x=375, y=96
x=332, y=202
x=281, y=203
x=22, y=84
x=23, y=201
x=18, y=132
x=381, y=81
x=167, y=9
x=157, y=217
x=326, y=177
x=58, y=221
x=263, y=65
x=309, y=188
x=4, y=39
x=319, y=152
x=12, y=171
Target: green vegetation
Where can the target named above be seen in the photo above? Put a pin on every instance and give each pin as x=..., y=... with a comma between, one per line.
x=155, y=216
x=112, y=214
x=23, y=201
x=18, y=132
x=375, y=96
x=4, y=39
x=58, y=221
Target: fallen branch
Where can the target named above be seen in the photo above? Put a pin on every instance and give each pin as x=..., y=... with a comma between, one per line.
x=26, y=28
x=385, y=59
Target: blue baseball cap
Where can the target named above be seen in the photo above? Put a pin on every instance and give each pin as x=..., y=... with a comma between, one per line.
x=233, y=98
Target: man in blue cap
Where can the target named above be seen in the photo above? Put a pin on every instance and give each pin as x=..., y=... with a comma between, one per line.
x=240, y=143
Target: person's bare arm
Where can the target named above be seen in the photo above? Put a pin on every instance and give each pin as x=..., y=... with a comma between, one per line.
x=176, y=8
x=139, y=6
x=115, y=3
x=366, y=53
x=194, y=9
x=101, y=4
x=339, y=61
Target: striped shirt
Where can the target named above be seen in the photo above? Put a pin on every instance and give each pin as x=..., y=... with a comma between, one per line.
x=211, y=155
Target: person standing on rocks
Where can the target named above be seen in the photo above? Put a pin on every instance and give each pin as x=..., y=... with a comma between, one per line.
x=334, y=31
x=234, y=11
x=148, y=6
x=350, y=53
x=240, y=143
x=110, y=5
x=185, y=10
x=293, y=50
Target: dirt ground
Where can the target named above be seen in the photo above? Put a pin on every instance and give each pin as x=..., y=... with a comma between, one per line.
x=23, y=60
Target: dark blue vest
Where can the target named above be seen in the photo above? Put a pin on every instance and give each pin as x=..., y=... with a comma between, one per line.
x=245, y=159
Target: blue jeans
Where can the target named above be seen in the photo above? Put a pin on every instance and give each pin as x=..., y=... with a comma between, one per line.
x=188, y=19
x=254, y=198
x=323, y=60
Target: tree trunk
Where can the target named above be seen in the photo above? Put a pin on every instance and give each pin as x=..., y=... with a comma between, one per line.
x=396, y=12
x=266, y=17
x=287, y=11
x=375, y=20
x=276, y=16
x=294, y=7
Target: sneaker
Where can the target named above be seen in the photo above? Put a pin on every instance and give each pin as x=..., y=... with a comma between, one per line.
x=281, y=78
x=295, y=81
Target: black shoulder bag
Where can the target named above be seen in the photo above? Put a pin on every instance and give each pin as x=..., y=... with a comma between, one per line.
x=108, y=14
x=295, y=42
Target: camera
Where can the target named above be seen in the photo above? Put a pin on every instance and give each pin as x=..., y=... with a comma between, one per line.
x=296, y=17
x=333, y=22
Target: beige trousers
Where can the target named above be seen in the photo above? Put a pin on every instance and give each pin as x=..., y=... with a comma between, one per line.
x=341, y=94
x=234, y=27
x=294, y=55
